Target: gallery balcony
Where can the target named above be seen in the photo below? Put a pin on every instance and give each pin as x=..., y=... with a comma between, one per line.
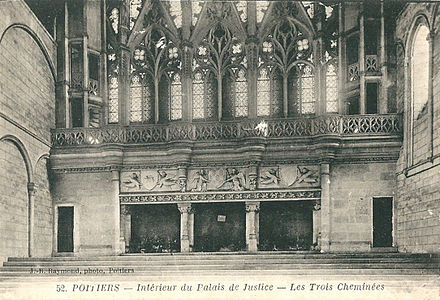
x=344, y=126
x=313, y=139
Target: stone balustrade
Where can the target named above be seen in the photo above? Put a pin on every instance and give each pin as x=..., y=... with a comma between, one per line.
x=340, y=125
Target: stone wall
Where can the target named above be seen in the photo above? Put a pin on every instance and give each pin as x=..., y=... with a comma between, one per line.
x=27, y=105
x=93, y=197
x=418, y=188
x=352, y=188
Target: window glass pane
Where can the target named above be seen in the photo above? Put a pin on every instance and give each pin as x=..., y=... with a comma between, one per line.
x=176, y=98
x=307, y=90
x=136, y=99
x=261, y=9
x=241, y=99
x=331, y=86
x=263, y=93
x=198, y=97
x=113, y=100
x=420, y=70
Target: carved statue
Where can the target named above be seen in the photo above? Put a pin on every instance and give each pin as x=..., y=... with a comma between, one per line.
x=236, y=179
x=304, y=174
x=132, y=181
x=201, y=181
x=270, y=176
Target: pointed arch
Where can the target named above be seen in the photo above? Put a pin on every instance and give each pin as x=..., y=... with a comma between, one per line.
x=214, y=13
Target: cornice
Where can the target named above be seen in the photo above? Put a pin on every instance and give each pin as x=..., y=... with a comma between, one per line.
x=221, y=196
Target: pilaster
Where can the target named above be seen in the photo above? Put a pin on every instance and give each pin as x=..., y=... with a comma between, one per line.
x=252, y=224
x=325, y=208
x=185, y=234
x=116, y=213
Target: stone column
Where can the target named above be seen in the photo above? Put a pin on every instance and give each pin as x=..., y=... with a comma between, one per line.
x=362, y=92
x=117, y=230
x=325, y=208
x=125, y=228
x=317, y=226
x=185, y=209
x=342, y=66
x=252, y=221
x=383, y=99
x=31, y=217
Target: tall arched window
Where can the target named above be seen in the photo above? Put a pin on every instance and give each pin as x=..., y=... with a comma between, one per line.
x=420, y=120
x=204, y=96
x=302, y=84
x=113, y=88
x=420, y=70
x=113, y=85
x=236, y=94
x=269, y=92
x=141, y=97
x=331, y=89
x=175, y=96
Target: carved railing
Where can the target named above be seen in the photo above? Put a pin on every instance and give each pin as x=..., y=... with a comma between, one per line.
x=389, y=124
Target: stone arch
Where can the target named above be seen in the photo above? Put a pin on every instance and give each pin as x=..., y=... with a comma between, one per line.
x=24, y=153
x=40, y=44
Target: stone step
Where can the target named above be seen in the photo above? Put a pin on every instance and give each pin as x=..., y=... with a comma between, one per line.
x=177, y=261
x=231, y=256
x=238, y=271
x=234, y=266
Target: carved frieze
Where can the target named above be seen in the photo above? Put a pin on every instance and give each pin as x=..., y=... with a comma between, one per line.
x=151, y=180
x=218, y=179
x=289, y=176
x=225, y=178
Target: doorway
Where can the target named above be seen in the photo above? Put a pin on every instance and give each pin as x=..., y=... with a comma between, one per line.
x=65, y=229
x=383, y=222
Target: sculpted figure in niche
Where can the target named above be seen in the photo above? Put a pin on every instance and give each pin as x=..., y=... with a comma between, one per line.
x=304, y=174
x=132, y=181
x=270, y=176
x=235, y=179
x=201, y=180
x=163, y=180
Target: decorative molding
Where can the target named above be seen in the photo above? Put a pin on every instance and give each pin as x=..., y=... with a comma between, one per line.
x=221, y=196
x=84, y=170
x=252, y=206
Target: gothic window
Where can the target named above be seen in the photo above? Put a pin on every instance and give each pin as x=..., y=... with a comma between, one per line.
x=269, y=92
x=135, y=7
x=302, y=90
x=175, y=96
x=308, y=6
x=113, y=85
x=331, y=88
x=222, y=54
x=196, y=7
x=420, y=70
x=141, y=92
x=236, y=94
x=175, y=11
x=241, y=99
x=242, y=10
x=420, y=121
x=261, y=10
x=114, y=19
x=204, y=96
